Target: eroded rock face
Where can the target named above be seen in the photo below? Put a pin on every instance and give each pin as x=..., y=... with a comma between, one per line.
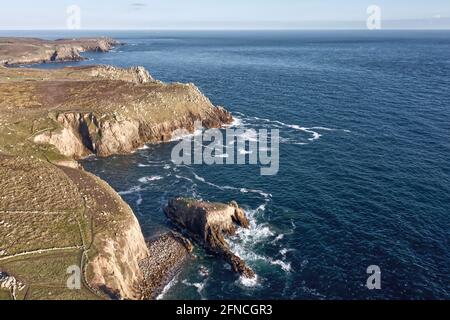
x=117, y=246
x=164, y=109
x=208, y=224
x=60, y=214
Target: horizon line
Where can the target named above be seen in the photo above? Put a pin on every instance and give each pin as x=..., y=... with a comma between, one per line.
x=233, y=29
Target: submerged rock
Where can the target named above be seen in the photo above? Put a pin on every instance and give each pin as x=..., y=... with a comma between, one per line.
x=208, y=223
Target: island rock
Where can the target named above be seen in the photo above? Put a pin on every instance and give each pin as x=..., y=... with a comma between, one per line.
x=208, y=224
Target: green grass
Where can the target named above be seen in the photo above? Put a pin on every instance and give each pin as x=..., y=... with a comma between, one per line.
x=5, y=294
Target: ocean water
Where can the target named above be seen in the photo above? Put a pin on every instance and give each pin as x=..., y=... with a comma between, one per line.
x=364, y=174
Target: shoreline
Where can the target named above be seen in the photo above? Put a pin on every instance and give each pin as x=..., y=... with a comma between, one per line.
x=77, y=134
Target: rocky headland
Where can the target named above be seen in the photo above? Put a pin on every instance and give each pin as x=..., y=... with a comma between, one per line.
x=208, y=223
x=15, y=51
x=53, y=214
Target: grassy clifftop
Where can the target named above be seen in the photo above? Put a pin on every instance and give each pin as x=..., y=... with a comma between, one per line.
x=54, y=215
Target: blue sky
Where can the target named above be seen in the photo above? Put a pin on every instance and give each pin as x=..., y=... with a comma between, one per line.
x=223, y=14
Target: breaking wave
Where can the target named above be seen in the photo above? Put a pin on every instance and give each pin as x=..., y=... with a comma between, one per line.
x=313, y=132
x=200, y=286
x=132, y=190
x=150, y=179
x=167, y=288
x=242, y=190
x=244, y=242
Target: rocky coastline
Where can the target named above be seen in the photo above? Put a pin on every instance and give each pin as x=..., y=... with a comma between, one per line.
x=23, y=51
x=52, y=118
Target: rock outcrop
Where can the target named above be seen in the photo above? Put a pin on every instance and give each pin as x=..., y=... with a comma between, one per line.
x=208, y=224
x=14, y=51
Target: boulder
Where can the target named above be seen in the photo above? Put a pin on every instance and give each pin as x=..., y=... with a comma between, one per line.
x=208, y=223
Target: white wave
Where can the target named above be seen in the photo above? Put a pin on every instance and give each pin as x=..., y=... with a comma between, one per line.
x=278, y=238
x=284, y=251
x=312, y=130
x=198, y=285
x=145, y=147
x=323, y=128
x=300, y=143
x=237, y=122
x=212, y=184
x=150, y=179
x=243, y=242
x=132, y=190
x=199, y=178
x=141, y=165
x=242, y=190
x=184, y=178
x=316, y=135
x=330, y=129
x=166, y=289
x=285, y=266
x=248, y=282
x=260, y=192
x=167, y=167
x=249, y=255
x=257, y=232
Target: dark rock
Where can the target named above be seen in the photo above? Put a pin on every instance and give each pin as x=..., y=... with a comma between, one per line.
x=208, y=224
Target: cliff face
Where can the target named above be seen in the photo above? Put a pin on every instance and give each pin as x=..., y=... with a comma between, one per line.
x=119, y=123
x=54, y=218
x=102, y=110
x=29, y=50
x=207, y=223
x=83, y=134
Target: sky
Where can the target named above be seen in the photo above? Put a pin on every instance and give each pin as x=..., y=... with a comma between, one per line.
x=224, y=14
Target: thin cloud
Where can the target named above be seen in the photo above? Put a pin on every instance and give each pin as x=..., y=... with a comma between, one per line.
x=138, y=5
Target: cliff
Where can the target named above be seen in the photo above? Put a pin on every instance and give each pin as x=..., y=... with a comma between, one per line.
x=55, y=215
x=208, y=223
x=98, y=110
x=29, y=50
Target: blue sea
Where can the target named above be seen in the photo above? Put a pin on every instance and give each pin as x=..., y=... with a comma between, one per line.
x=364, y=179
